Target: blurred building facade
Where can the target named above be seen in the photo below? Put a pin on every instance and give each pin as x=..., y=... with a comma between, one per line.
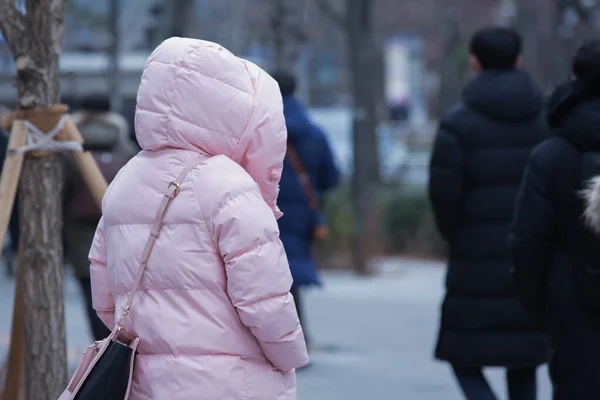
x=298, y=34
x=256, y=28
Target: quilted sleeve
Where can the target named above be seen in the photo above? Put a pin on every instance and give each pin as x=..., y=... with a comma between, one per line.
x=445, y=181
x=534, y=227
x=102, y=298
x=258, y=277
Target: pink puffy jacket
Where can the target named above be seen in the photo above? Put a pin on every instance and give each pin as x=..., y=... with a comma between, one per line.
x=214, y=314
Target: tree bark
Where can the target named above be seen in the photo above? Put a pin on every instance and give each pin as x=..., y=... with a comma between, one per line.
x=42, y=278
x=35, y=40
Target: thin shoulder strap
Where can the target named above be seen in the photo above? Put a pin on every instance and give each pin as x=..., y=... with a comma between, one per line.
x=303, y=176
x=170, y=194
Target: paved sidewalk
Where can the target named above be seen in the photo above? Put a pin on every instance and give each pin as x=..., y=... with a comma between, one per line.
x=374, y=336
x=386, y=329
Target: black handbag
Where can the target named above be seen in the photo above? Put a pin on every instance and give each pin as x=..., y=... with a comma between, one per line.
x=114, y=366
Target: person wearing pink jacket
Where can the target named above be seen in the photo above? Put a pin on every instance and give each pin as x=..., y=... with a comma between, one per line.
x=214, y=313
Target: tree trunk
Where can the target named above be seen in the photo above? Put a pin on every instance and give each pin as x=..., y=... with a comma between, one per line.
x=182, y=14
x=454, y=66
x=364, y=66
x=539, y=23
x=35, y=41
x=286, y=32
x=114, y=52
x=42, y=278
x=365, y=175
x=277, y=20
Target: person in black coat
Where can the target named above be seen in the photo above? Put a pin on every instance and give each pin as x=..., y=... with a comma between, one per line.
x=556, y=256
x=478, y=160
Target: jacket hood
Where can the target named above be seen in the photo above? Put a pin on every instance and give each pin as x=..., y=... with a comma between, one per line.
x=198, y=96
x=507, y=95
x=296, y=118
x=574, y=113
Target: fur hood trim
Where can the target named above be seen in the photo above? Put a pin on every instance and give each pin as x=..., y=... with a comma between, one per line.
x=591, y=196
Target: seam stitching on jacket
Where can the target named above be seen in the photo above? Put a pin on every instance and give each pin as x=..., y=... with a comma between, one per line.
x=251, y=116
x=255, y=246
x=229, y=197
x=262, y=299
x=179, y=64
x=209, y=224
x=195, y=125
x=170, y=289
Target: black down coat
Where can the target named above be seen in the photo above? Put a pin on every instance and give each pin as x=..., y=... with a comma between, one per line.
x=478, y=161
x=552, y=247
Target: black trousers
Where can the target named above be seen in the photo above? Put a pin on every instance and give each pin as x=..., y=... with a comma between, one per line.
x=296, y=292
x=99, y=330
x=521, y=382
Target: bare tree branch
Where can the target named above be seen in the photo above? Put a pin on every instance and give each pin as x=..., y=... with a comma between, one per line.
x=337, y=17
x=12, y=24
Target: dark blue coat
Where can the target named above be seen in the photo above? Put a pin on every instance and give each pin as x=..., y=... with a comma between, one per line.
x=298, y=221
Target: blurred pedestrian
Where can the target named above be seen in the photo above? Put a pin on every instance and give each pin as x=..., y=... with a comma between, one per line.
x=95, y=111
x=213, y=309
x=478, y=160
x=106, y=138
x=309, y=171
x=557, y=256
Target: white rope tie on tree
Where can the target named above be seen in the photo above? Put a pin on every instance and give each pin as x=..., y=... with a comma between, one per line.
x=44, y=141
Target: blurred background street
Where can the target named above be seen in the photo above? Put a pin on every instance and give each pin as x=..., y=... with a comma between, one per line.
x=374, y=336
x=372, y=79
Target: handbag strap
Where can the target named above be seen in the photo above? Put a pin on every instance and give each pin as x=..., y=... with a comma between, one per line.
x=294, y=157
x=172, y=192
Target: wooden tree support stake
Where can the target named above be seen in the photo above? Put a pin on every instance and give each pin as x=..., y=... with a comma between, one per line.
x=9, y=181
x=86, y=164
x=11, y=172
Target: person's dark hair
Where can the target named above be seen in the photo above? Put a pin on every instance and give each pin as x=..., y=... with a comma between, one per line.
x=586, y=63
x=96, y=103
x=496, y=47
x=286, y=81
